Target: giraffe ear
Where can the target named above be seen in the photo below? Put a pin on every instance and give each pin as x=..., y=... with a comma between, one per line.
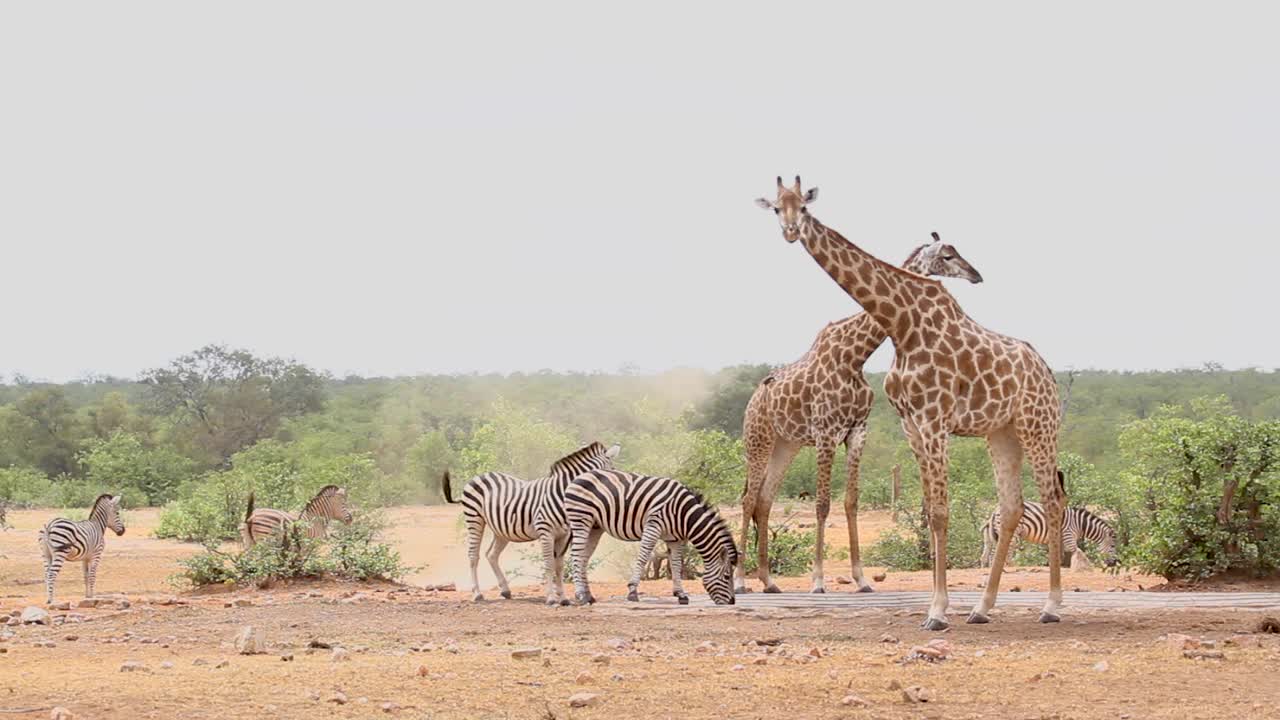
x=764, y=203
x=810, y=195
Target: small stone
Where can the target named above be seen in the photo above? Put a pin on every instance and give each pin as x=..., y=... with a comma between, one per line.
x=844, y=580
x=63, y=606
x=917, y=694
x=1016, y=588
x=600, y=658
x=61, y=713
x=815, y=652
x=389, y=707
x=879, y=577
x=338, y=697
x=584, y=678
x=1268, y=626
x=71, y=638
x=249, y=641
x=1203, y=655
x=447, y=587
x=854, y=701
x=980, y=653
x=619, y=643
x=581, y=700
x=887, y=638
x=166, y=665
x=339, y=655
x=34, y=616
x=706, y=646
x=738, y=668
x=760, y=661
x=1178, y=641
x=242, y=602
x=1101, y=666
x=134, y=666
x=1042, y=676
x=89, y=603
x=423, y=671
x=312, y=695
x=287, y=657
x=618, y=677
x=320, y=645
x=43, y=644
x=526, y=653
x=199, y=661
x=222, y=664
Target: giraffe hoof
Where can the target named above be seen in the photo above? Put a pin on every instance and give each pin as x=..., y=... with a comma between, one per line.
x=506, y=594
x=741, y=590
x=977, y=618
x=1049, y=618
x=818, y=591
x=772, y=589
x=866, y=589
x=682, y=599
x=633, y=596
x=935, y=624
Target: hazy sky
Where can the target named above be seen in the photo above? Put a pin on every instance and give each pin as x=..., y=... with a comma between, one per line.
x=444, y=187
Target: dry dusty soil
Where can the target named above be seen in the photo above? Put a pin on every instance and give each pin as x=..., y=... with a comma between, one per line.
x=416, y=653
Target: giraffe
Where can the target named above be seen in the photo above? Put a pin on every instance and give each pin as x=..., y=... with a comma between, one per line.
x=820, y=401
x=950, y=376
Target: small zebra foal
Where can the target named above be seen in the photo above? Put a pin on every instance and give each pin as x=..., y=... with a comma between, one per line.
x=330, y=503
x=635, y=507
x=62, y=539
x=1078, y=525
x=521, y=510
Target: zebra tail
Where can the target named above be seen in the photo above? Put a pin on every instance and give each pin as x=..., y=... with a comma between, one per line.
x=248, y=513
x=448, y=492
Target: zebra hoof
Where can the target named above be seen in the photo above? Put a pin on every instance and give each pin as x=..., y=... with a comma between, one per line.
x=633, y=596
x=552, y=602
x=818, y=591
x=1049, y=618
x=866, y=589
x=506, y=594
x=977, y=618
x=682, y=599
x=772, y=589
x=934, y=624
x=564, y=602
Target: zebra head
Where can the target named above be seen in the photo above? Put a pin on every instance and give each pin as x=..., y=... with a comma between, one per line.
x=1107, y=546
x=106, y=510
x=331, y=503
x=720, y=554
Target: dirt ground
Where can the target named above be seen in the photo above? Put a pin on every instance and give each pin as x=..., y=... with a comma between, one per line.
x=420, y=653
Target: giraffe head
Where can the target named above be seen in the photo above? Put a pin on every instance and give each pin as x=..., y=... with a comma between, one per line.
x=940, y=259
x=790, y=207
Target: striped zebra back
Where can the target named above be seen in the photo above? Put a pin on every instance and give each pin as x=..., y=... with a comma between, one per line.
x=83, y=538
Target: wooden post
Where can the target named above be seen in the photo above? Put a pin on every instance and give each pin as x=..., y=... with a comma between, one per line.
x=896, y=492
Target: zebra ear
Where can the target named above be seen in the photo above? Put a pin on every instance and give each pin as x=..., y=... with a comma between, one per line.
x=340, y=491
x=116, y=500
x=613, y=451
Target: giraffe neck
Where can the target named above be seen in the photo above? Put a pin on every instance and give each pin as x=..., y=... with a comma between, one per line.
x=884, y=291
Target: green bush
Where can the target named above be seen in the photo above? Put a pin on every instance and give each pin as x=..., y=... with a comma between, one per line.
x=27, y=487
x=790, y=551
x=145, y=476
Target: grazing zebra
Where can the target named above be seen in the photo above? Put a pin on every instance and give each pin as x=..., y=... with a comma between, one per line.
x=521, y=510
x=634, y=507
x=1078, y=524
x=62, y=540
x=328, y=504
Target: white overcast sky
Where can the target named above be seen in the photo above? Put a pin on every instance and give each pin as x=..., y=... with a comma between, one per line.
x=466, y=186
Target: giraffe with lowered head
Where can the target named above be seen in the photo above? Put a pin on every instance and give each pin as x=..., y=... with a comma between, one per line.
x=820, y=401
x=950, y=376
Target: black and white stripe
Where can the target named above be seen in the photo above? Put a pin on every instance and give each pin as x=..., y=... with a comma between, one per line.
x=62, y=539
x=647, y=509
x=1078, y=525
x=330, y=503
x=519, y=510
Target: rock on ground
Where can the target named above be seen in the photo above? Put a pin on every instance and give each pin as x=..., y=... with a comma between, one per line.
x=581, y=700
x=249, y=641
x=34, y=616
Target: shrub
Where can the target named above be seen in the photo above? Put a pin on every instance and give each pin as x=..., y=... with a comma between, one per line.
x=27, y=487
x=790, y=551
x=146, y=476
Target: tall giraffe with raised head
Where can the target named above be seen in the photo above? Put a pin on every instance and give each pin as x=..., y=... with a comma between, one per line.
x=950, y=376
x=820, y=401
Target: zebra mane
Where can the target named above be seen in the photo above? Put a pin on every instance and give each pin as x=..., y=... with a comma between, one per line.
x=722, y=527
x=595, y=449
x=327, y=491
x=94, y=507
x=1083, y=511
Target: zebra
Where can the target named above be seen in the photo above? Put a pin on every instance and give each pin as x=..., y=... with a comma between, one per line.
x=634, y=507
x=1077, y=524
x=521, y=510
x=62, y=539
x=330, y=503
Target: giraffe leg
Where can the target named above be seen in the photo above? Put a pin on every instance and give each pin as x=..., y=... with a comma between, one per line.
x=647, y=540
x=826, y=455
x=475, y=535
x=1044, y=463
x=1006, y=459
x=757, y=466
x=675, y=562
x=853, y=456
x=930, y=447
x=495, y=553
x=783, y=453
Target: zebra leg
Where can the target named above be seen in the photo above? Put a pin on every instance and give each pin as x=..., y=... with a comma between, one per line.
x=585, y=540
x=675, y=561
x=475, y=535
x=853, y=458
x=1006, y=459
x=647, y=541
x=52, y=566
x=550, y=581
x=495, y=553
x=562, y=547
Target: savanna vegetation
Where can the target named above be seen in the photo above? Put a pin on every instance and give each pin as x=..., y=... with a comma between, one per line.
x=1182, y=462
